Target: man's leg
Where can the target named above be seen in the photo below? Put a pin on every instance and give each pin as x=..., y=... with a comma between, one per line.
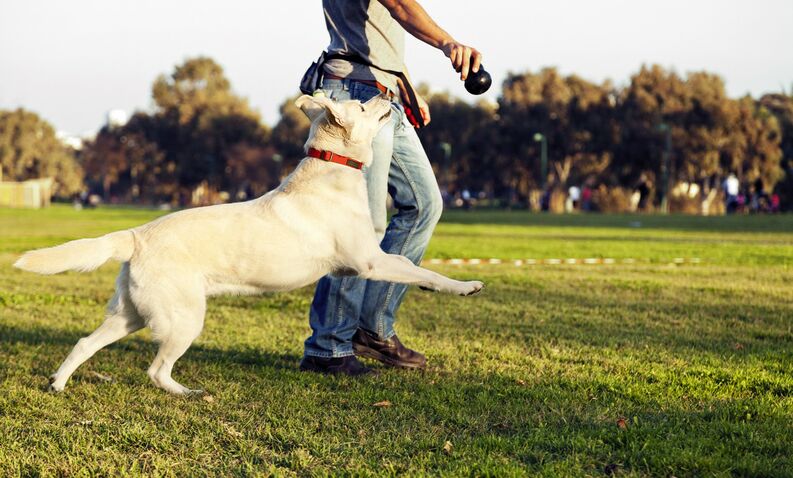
x=336, y=307
x=417, y=199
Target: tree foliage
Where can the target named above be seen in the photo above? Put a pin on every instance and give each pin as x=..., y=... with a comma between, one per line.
x=200, y=133
x=290, y=133
x=781, y=106
x=128, y=161
x=684, y=128
x=614, y=137
x=29, y=149
x=575, y=116
x=459, y=142
x=204, y=122
x=712, y=135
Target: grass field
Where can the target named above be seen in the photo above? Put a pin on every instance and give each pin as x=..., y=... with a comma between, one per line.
x=645, y=369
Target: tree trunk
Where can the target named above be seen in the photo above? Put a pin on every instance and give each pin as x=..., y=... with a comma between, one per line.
x=706, y=203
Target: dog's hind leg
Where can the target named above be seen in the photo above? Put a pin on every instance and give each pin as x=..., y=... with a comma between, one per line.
x=120, y=321
x=180, y=330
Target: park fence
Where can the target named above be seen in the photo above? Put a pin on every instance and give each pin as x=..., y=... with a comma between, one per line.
x=34, y=193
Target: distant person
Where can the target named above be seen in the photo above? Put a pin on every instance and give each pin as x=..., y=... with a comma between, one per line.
x=545, y=199
x=732, y=187
x=573, y=198
x=740, y=203
x=775, y=203
x=445, y=196
x=643, y=188
x=760, y=202
x=586, y=195
x=466, y=197
x=350, y=316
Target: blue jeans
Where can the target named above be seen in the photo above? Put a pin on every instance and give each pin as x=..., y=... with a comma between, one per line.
x=400, y=168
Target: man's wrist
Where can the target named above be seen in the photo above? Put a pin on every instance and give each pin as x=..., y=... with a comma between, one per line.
x=446, y=42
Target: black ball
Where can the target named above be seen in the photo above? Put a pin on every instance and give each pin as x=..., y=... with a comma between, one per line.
x=479, y=82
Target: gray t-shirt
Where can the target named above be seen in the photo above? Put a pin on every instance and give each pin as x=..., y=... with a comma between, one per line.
x=365, y=28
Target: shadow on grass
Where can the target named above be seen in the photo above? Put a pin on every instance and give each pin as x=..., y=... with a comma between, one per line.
x=43, y=337
x=678, y=320
x=491, y=417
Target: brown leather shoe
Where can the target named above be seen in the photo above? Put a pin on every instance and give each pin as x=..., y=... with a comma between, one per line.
x=390, y=352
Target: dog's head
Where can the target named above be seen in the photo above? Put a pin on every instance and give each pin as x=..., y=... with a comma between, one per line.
x=345, y=127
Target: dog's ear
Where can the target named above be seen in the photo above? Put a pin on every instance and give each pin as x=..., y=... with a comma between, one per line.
x=309, y=106
x=313, y=106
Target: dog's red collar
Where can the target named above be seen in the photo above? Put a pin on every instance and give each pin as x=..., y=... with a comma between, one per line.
x=334, y=158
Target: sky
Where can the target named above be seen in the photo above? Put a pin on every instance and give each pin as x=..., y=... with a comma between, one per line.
x=72, y=61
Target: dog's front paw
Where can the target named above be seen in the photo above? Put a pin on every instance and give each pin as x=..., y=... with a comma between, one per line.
x=471, y=287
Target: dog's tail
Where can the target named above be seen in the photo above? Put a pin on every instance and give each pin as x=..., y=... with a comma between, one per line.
x=81, y=255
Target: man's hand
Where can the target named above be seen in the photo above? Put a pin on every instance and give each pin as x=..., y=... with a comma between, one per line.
x=464, y=58
x=424, y=108
x=415, y=20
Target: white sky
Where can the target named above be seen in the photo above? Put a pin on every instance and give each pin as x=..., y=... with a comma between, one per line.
x=71, y=61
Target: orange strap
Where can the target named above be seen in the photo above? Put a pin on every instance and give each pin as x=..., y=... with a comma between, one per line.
x=334, y=158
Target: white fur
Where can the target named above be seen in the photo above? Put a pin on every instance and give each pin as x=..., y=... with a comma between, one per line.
x=81, y=255
x=316, y=222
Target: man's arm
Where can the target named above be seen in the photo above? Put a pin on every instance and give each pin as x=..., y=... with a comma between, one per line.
x=416, y=21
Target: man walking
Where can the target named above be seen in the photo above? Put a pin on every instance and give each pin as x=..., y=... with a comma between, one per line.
x=348, y=315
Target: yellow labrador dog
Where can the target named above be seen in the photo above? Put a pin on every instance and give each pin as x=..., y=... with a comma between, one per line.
x=315, y=223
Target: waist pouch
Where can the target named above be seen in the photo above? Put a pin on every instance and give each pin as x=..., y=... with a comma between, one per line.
x=312, y=81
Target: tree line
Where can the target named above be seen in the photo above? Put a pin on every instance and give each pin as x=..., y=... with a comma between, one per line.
x=675, y=138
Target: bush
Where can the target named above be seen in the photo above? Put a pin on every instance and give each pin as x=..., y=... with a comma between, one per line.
x=615, y=199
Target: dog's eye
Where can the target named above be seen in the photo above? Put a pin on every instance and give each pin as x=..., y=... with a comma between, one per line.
x=363, y=110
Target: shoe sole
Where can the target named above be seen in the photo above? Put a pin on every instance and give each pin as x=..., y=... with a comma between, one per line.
x=339, y=374
x=366, y=352
x=323, y=371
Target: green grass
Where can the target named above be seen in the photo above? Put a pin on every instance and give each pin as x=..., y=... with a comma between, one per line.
x=649, y=369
